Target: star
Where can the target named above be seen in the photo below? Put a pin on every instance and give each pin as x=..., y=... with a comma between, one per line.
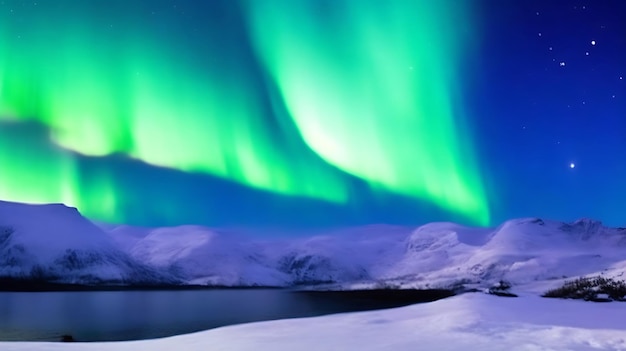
x=572, y=165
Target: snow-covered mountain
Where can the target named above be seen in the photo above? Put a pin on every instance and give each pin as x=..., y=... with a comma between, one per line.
x=55, y=243
x=521, y=251
x=200, y=256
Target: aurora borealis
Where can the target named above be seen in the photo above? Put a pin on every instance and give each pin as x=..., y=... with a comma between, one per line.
x=246, y=112
x=372, y=91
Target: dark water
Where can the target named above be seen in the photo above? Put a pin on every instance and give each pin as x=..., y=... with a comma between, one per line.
x=127, y=315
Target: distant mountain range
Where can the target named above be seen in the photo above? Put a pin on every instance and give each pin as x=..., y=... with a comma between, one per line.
x=55, y=244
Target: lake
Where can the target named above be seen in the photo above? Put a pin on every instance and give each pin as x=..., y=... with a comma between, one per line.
x=130, y=315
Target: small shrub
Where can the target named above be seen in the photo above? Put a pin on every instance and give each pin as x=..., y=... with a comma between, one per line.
x=502, y=285
x=588, y=288
x=502, y=289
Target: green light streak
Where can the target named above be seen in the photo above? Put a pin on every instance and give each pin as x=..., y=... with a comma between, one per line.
x=370, y=86
x=38, y=173
x=369, y=90
x=104, y=90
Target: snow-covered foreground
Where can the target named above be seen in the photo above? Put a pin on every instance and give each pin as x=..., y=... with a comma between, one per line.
x=472, y=321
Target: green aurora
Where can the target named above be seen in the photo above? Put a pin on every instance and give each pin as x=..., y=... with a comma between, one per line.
x=328, y=91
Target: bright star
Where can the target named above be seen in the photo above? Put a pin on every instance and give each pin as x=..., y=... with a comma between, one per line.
x=572, y=165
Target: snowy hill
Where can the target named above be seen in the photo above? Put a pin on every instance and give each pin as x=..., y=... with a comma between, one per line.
x=55, y=243
x=200, y=256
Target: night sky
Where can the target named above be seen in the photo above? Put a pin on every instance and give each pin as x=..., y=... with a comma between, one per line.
x=315, y=113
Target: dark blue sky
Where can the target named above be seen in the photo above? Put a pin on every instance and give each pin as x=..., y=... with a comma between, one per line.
x=549, y=97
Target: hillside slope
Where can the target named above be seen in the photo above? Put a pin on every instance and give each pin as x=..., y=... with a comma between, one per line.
x=54, y=243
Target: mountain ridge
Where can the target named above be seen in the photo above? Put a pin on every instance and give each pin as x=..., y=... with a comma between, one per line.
x=55, y=244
